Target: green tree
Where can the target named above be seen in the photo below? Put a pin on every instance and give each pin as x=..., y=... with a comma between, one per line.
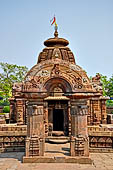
x=107, y=85
x=11, y=73
x=110, y=87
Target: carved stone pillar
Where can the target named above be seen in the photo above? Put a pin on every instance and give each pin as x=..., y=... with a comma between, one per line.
x=46, y=117
x=79, y=121
x=79, y=131
x=35, y=131
x=69, y=118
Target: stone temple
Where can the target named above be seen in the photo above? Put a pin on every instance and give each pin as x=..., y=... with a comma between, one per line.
x=55, y=100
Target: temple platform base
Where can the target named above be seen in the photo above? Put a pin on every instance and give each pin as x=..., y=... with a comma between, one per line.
x=69, y=159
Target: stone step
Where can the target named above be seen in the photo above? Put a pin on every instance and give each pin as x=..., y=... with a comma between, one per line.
x=58, y=140
x=57, y=133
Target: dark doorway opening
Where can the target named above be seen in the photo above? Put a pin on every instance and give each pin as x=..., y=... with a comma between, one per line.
x=58, y=120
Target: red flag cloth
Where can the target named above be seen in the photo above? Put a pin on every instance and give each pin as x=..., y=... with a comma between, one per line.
x=54, y=20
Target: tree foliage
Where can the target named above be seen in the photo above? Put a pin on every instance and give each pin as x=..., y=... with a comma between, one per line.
x=6, y=109
x=11, y=73
x=110, y=87
x=107, y=85
x=107, y=88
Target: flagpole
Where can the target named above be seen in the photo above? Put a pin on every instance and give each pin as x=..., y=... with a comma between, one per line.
x=56, y=26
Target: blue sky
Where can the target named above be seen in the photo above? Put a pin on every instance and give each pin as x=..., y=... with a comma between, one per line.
x=87, y=24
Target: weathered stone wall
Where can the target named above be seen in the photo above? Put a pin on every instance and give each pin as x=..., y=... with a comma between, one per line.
x=12, y=137
x=97, y=111
x=100, y=137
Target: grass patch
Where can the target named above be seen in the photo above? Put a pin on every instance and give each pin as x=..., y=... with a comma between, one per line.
x=3, y=113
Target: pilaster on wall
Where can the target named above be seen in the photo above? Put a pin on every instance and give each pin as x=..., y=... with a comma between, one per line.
x=69, y=117
x=12, y=113
x=98, y=110
x=88, y=115
x=20, y=111
x=95, y=112
x=103, y=111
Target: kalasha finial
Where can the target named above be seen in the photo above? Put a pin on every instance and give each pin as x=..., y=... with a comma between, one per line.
x=56, y=32
x=53, y=21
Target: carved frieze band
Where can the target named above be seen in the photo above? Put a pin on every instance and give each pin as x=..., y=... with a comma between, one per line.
x=35, y=110
x=42, y=72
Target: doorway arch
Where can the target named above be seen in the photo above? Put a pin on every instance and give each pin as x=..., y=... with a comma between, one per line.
x=58, y=82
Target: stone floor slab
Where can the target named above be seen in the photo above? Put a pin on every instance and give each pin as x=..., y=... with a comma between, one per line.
x=9, y=162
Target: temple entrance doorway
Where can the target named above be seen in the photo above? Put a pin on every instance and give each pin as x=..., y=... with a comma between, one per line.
x=58, y=120
x=58, y=117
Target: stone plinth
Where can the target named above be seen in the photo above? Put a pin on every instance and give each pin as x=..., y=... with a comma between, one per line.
x=79, y=146
x=39, y=159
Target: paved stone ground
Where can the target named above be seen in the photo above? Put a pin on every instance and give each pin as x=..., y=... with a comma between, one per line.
x=13, y=161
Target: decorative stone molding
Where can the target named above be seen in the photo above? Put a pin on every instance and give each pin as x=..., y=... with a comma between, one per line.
x=79, y=110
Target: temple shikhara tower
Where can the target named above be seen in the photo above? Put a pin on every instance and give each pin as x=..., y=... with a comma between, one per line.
x=57, y=99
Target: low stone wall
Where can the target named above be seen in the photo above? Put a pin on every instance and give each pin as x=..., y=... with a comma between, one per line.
x=100, y=128
x=96, y=129
x=13, y=129
x=12, y=137
x=101, y=138
x=101, y=141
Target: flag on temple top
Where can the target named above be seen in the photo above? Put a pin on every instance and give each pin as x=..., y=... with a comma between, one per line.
x=53, y=21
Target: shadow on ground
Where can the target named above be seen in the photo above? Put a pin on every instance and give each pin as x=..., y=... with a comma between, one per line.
x=64, y=151
x=67, y=153
x=15, y=155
